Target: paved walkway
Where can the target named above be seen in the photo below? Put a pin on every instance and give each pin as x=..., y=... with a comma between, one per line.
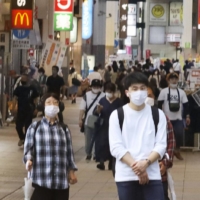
x=92, y=183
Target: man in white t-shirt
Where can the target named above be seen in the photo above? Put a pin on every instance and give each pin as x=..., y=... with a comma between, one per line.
x=90, y=100
x=177, y=67
x=94, y=75
x=172, y=100
x=137, y=146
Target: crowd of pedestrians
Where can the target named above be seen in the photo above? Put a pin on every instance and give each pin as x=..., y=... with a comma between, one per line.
x=131, y=116
x=134, y=120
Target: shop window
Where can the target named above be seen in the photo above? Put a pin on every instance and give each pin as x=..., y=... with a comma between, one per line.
x=157, y=35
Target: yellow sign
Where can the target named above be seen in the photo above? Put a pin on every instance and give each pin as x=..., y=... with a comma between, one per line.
x=22, y=18
x=158, y=11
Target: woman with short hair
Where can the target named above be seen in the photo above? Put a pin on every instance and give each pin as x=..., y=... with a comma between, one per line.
x=49, y=154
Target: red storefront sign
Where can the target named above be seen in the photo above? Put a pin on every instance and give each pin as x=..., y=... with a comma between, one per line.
x=22, y=19
x=22, y=14
x=64, y=6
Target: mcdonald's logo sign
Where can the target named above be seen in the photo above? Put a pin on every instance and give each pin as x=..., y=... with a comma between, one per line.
x=22, y=19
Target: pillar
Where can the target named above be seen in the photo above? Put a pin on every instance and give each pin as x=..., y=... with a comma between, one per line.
x=187, y=24
x=99, y=32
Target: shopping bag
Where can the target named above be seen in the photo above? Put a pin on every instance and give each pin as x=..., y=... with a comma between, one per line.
x=171, y=186
x=28, y=189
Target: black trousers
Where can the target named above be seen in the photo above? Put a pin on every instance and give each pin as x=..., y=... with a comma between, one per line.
x=41, y=193
x=23, y=120
x=165, y=188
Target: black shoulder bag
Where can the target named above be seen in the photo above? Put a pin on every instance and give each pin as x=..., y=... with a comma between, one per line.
x=87, y=109
x=174, y=107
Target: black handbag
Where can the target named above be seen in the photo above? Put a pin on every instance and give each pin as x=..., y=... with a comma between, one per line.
x=87, y=109
x=75, y=81
x=174, y=107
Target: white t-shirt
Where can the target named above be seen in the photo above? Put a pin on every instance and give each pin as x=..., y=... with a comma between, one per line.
x=94, y=75
x=177, y=66
x=138, y=138
x=173, y=99
x=90, y=96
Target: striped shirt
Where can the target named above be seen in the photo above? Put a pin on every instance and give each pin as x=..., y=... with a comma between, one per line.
x=50, y=149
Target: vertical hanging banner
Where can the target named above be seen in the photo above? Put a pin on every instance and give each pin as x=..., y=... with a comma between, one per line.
x=21, y=14
x=53, y=54
x=176, y=14
x=123, y=10
x=63, y=15
x=87, y=10
x=132, y=20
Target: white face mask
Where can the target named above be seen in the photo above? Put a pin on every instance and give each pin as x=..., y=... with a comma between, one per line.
x=95, y=90
x=149, y=101
x=109, y=95
x=173, y=85
x=138, y=97
x=51, y=111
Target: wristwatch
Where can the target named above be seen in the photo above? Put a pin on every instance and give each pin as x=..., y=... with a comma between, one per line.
x=148, y=162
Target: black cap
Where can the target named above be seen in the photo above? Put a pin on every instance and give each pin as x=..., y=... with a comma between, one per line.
x=172, y=75
x=96, y=82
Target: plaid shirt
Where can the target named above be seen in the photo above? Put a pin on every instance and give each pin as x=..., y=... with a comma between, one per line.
x=171, y=144
x=52, y=154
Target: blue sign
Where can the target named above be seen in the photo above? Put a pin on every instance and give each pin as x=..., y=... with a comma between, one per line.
x=21, y=34
x=87, y=10
x=116, y=43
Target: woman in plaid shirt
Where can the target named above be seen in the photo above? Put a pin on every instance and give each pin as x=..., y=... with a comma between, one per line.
x=49, y=154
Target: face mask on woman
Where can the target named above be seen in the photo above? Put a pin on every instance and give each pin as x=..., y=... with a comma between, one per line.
x=109, y=95
x=138, y=97
x=51, y=111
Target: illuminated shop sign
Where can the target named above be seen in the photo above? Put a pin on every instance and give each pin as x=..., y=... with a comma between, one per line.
x=22, y=14
x=123, y=13
x=63, y=15
x=132, y=20
x=87, y=10
x=64, y=6
x=73, y=33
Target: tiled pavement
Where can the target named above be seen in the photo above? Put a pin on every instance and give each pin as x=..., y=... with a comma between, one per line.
x=92, y=183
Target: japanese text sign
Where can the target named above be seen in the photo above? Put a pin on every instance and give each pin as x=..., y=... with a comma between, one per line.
x=132, y=20
x=63, y=21
x=176, y=14
x=87, y=10
x=22, y=14
x=123, y=19
x=63, y=15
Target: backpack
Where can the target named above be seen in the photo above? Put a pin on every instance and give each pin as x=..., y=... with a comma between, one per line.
x=120, y=113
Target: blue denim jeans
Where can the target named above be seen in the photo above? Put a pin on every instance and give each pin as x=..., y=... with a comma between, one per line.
x=132, y=190
x=178, y=132
x=89, y=145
